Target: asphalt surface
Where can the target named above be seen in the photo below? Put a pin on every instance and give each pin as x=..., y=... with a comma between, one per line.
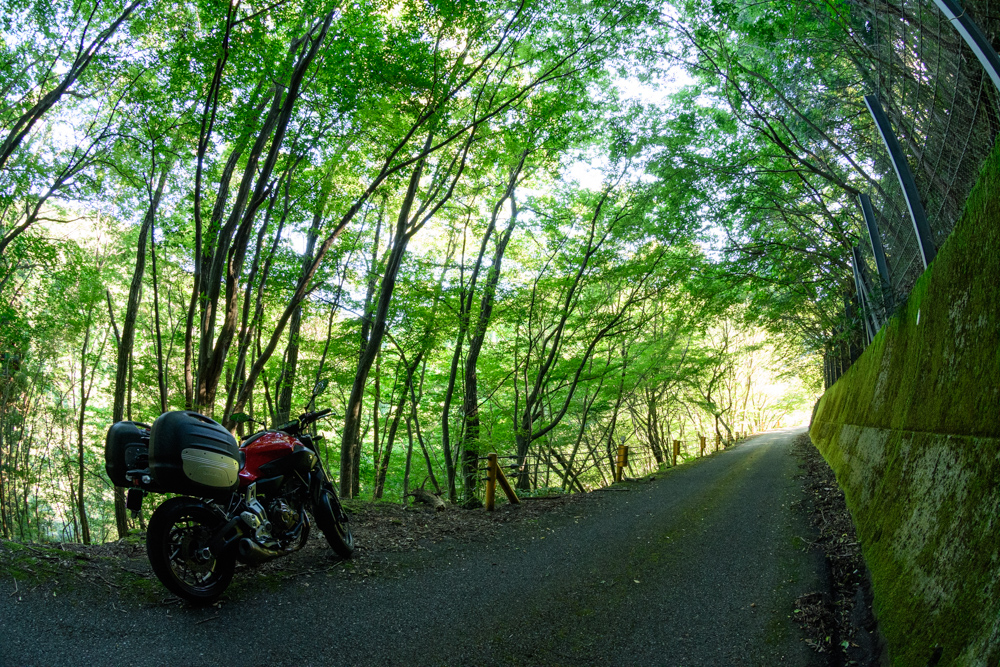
x=699, y=567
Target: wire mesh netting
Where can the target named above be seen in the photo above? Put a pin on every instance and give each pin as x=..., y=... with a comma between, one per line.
x=943, y=108
x=944, y=112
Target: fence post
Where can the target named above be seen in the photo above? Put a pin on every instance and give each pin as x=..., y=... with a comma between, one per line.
x=906, y=182
x=702, y=438
x=879, y=251
x=973, y=36
x=491, y=481
x=677, y=450
x=619, y=463
x=718, y=441
x=494, y=475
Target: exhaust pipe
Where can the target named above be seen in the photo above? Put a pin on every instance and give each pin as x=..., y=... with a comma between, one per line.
x=253, y=553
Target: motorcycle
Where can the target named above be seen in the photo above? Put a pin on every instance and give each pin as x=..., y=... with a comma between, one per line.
x=247, y=502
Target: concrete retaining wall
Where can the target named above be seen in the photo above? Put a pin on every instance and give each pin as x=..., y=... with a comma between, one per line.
x=912, y=431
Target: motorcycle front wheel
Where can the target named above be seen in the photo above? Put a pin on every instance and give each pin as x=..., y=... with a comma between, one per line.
x=337, y=533
x=177, y=545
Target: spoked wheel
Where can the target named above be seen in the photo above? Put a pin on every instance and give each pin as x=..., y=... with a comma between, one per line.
x=338, y=533
x=177, y=544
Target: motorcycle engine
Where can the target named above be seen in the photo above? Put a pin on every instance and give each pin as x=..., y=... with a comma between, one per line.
x=282, y=514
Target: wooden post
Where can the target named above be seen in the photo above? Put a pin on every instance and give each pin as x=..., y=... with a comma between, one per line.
x=493, y=475
x=718, y=441
x=677, y=450
x=507, y=488
x=622, y=462
x=491, y=482
x=702, y=438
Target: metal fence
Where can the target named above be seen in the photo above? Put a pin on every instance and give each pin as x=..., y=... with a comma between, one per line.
x=933, y=81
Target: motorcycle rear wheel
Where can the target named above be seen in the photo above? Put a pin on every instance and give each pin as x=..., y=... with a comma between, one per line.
x=176, y=543
x=337, y=533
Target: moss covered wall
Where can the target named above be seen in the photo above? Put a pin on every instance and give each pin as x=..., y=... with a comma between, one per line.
x=913, y=432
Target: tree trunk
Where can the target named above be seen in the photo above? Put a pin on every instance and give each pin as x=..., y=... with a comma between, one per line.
x=414, y=401
x=161, y=373
x=470, y=396
x=383, y=466
x=221, y=262
x=409, y=460
x=349, y=446
x=286, y=381
x=128, y=332
x=84, y=397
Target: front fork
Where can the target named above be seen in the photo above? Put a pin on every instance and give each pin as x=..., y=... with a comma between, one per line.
x=318, y=481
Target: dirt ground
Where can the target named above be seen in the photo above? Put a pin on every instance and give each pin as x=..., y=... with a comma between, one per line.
x=838, y=622
x=379, y=528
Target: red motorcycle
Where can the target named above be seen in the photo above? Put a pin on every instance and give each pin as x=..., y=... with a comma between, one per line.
x=245, y=502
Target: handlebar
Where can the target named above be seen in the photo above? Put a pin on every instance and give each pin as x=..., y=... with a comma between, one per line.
x=304, y=420
x=310, y=417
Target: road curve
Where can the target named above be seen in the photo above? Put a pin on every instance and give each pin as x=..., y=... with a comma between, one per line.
x=699, y=567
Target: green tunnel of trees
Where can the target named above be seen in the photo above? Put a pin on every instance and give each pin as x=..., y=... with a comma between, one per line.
x=541, y=229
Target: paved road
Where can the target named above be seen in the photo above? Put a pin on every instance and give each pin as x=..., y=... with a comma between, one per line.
x=700, y=567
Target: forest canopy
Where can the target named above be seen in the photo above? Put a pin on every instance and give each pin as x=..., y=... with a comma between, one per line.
x=540, y=229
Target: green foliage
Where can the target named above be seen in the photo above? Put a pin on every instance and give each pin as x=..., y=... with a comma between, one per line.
x=626, y=270
x=771, y=132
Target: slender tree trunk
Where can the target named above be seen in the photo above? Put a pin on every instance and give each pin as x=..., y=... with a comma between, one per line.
x=383, y=466
x=470, y=397
x=128, y=331
x=376, y=410
x=414, y=401
x=81, y=469
x=161, y=376
x=4, y=521
x=286, y=381
x=349, y=448
x=446, y=409
x=409, y=460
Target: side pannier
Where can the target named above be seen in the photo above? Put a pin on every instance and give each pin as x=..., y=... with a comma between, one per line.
x=124, y=450
x=193, y=455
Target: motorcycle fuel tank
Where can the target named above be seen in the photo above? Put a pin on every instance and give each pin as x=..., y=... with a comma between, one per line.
x=273, y=453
